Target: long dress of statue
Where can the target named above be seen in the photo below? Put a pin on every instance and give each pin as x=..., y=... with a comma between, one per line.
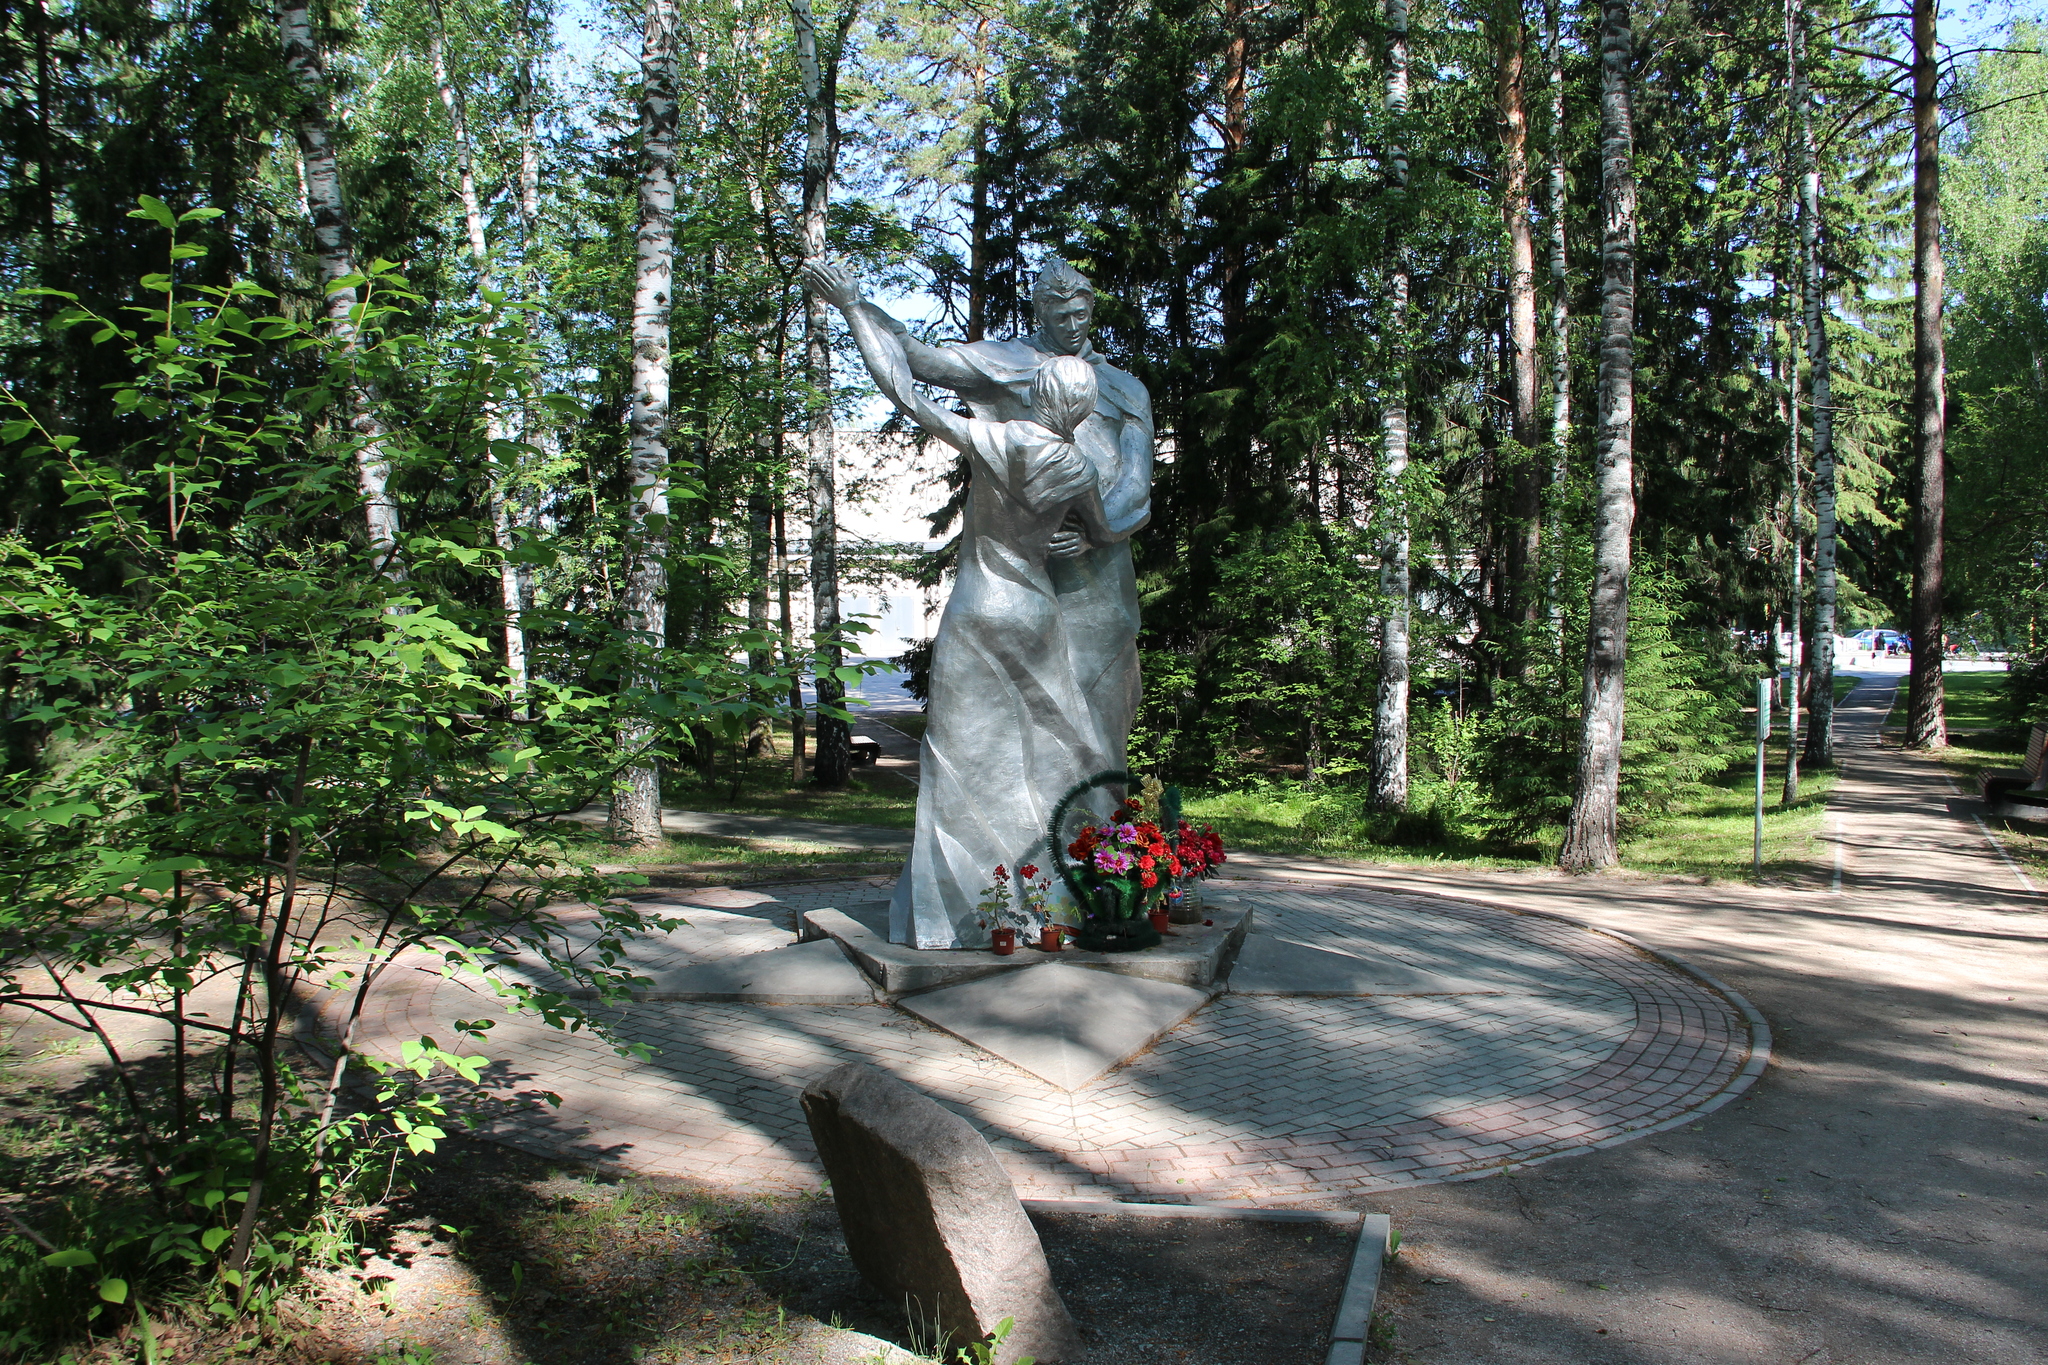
x=1034, y=680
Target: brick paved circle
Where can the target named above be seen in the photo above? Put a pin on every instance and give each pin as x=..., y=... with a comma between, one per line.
x=1586, y=1041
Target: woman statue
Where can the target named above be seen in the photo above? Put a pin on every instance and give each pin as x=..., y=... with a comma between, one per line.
x=1009, y=729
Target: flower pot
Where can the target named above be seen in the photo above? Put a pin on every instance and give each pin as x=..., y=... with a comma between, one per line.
x=1003, y=942
x=1049, y=938
x=1187, y=907
x=1159, y=920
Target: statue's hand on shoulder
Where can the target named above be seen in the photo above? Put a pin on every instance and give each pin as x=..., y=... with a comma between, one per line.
x=832, y=283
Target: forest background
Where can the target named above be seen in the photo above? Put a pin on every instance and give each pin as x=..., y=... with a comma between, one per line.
x=576, y=409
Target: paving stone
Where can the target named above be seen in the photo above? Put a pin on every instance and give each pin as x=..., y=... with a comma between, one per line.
x=1066, y=1025
x=1584, y=1041
x=1269, y=964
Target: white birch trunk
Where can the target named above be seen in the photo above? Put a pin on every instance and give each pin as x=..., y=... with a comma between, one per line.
x=1560, y=302
x=1390, y=709
x=1820, y=733
x=334, y=261
x=497, y=435
x=636, y=799
x=1591, y=839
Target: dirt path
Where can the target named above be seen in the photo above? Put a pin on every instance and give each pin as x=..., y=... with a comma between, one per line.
x=1878, y=1197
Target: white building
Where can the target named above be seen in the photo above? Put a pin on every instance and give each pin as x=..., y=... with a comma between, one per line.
x=890, y=485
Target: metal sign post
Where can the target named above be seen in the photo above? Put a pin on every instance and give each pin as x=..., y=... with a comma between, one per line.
x=1763, y=732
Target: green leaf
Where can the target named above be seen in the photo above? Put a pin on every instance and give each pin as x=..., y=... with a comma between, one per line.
x=155, y=210
x=201, y=215
x=69, y=1257
x=114, y=1290
x=213, y=1237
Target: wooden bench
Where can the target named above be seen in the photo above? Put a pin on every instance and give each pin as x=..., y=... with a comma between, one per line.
x=2022, y=795
x=865, y=751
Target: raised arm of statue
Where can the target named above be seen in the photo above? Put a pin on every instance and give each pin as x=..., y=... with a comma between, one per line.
x=939, y=365
x=884, y=346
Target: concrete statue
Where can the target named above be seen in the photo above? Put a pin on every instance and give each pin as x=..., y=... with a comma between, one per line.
x=1034, y=681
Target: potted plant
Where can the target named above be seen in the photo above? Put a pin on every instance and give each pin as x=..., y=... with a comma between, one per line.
x=1000, y=914
x=1037, y=891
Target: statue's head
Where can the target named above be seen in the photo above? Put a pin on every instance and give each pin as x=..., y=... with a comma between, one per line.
x=1063, y=302
x=1063, y=393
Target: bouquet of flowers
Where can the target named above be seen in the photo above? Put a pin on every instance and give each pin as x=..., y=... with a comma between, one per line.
x=1196, y=851
x=1119, y=868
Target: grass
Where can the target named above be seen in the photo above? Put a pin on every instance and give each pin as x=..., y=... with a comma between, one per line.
x=909, y=723
x=1975, y=702
x=761, y=786
x=1711, y=835
x=711, y=860
x=1284, y=819
x=1707, y=835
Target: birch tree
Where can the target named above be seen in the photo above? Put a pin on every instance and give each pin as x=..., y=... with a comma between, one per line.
x=1390, y=710
x=498, y=439
x=636, y=798
x=1591, y=838
x=335, y=268
x=1560, y=288
x=1820, y=732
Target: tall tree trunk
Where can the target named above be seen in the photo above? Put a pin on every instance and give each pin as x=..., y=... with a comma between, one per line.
x=497, y=434
x=528, y=107
x=1560, y=291
x=1523, y=599
x=1797, y=610
x=1591, y=841
x=636, y=798
x=334, y=261
x=1820, y=728
x=819, y=72
x=788, y=623
x=1390, y=709
x=1234, y=133
x=979, y=220
x=1926, y=726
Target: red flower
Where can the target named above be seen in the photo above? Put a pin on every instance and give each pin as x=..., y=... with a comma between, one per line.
x=1146, y=863
x=1000, y=873
x=1151, y=879
x=1027, y=872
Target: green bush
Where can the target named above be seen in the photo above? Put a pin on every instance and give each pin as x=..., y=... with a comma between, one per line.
x=264, y=769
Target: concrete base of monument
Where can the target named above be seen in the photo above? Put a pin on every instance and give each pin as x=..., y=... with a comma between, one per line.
x=1065, y=1025
x=1193, y=955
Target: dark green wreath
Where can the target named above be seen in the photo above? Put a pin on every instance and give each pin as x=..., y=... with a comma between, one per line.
x=1113, y=927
